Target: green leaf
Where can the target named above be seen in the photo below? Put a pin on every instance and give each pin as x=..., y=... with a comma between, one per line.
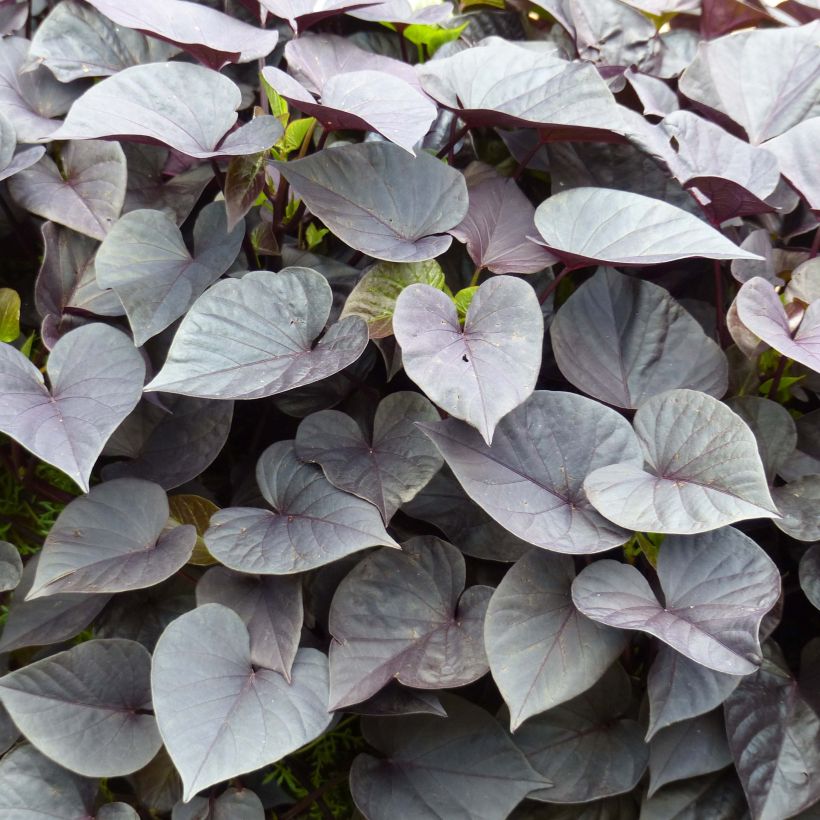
x=28, y=344
x=193, y=509
x=314, y=235
x=295, y=134
x=9, y=315
x=244, y=183
x=463, y=299
x=375, y=294
x=278, y=105
x=432, y=37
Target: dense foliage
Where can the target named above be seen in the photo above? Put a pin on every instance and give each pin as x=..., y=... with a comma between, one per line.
x=410, y=411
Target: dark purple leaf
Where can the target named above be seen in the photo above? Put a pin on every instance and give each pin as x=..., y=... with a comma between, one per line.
x=76, y=41
x=498, y=223
x=795, y=152
x=586, y=225
x=688, y=749
x=145, y=261
x=244, y=181
x=313, y=523
x=542, y=651
x=380, y=200
x=810, y=574
x=11, y=163
x=47, y=620
x=774, y=735
x=717, y=587
x=766, y=80
x=85, y=193
x=530, y=480
x=479, y=371
x=586, y=747
x=11, y=566
x=761, y=311
x=718, y=795
x=681, y=689
x=349, y=101
x=302, y=14
x=270, y=607
x=798, y=504
x=177, y=441
x=623, y=340
x=199, y=108
x=112, y=540
x=232, y=804
x=96, y=376
x=87, y=708
x=209, y=35
x=703, y=470
x=502, y=84
x=463, y=765
x=406, y=616
x=207, y=693
x=256, y=336
x=387, y=468
x=444, y=504
x=729, y=177
x=31, y=99
x=395, y=700
x=23, y=774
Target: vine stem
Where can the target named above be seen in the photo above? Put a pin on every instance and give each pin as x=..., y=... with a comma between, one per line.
x=455, y=136
x=522, y=165
x=553, y=285
x=720, y=308
x=476, y=274
x=815, y=245
x=778, y=375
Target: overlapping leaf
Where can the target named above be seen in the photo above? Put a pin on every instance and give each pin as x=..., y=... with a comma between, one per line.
x=312, y=523
x=794, y=151
x=145, y=261
x=11, y=566
x=96, y=377
x=703, y=470
x=112, y=540
x=207, y=693
x=479, y=371
x=87, y=708
x=542, y=651
x=380, y=200
x=257, y=336
x=531, y=479
x=386, y=468
x=12, y=163
x=302, y=14
x=810, y=574
x=198, y=111
x=406, y=616
x=717, y=588
x=623, y=340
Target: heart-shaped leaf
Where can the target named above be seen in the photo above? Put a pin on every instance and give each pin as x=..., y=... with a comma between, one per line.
x=794, y=151
x=23, y=771
x=388, y=468
x=761, y=311
x=774, y=735
x=810, y=574
x=479, y=371
x=797, y=502
x=47, y=620
x=76, y=41
x=398, y=112
x=708, y=796
x=374, y=295
x=585, y=747
x=302, y=14
x=680, y=689
x=502, y=84
x=177, y=442
x=144, y=260
x=207, y=693
x=531, y=479
x=87, y=708
x=11, y=566
x=112, y=540
x=85, y=194
x=406, y=616
x=256, y=336
x=622, y=340
x=270, y=608
x=586, y=225
x=380, y=200
x=313, y=522
x=209, y=35
x=477, y=770
x=703, y=470
x=766, y=80
x=96, y=377
x=199, y=108
x=498, y=223
x=717, y=588
x=688, y=749
x=542, y=651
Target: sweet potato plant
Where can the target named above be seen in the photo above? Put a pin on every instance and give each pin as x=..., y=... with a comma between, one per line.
x=408, y=410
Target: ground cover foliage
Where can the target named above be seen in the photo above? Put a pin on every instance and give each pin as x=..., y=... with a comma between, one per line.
x=410, y=410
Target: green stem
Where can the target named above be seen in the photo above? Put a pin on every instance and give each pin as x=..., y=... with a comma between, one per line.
x=476, y=274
